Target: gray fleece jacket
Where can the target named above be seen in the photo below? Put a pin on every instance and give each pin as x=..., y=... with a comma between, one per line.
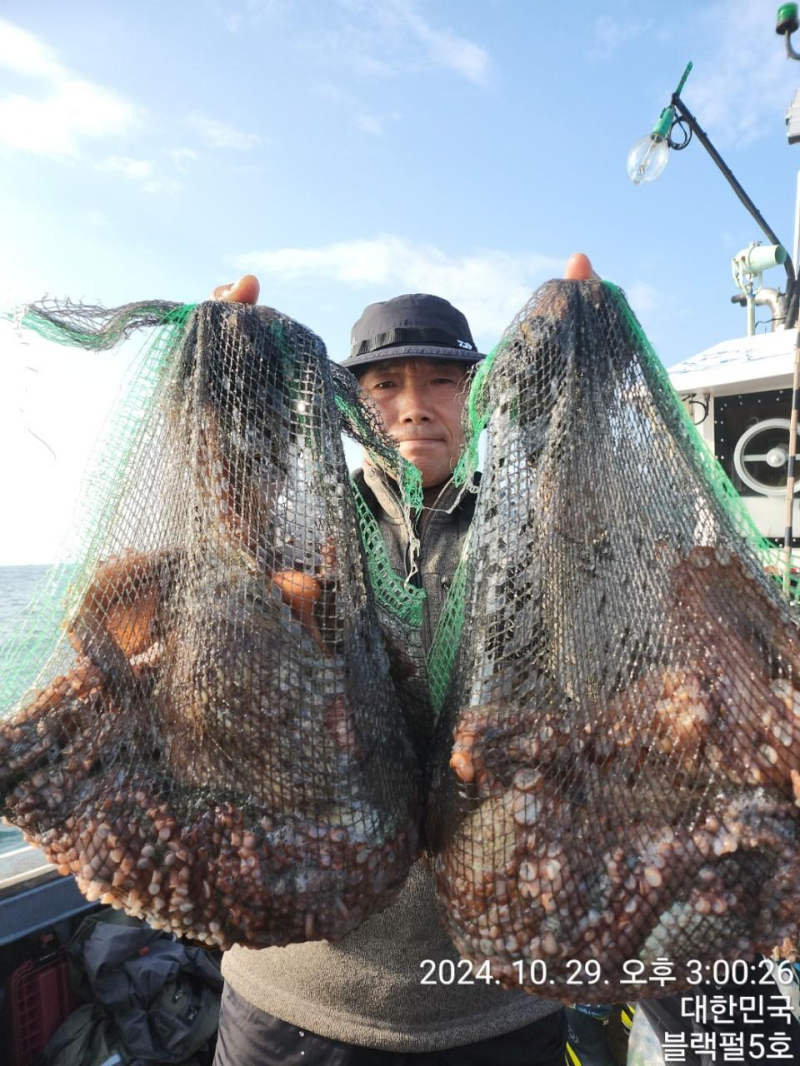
x=368, y=988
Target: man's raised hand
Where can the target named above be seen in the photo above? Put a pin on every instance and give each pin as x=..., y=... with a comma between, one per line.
x=243, y=291
x=579, y=268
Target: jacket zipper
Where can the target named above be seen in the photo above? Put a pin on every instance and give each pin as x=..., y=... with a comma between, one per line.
x=415, y=579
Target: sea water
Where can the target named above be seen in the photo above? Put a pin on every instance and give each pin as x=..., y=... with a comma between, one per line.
x=17, y=587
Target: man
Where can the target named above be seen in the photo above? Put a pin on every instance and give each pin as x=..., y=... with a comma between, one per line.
x=361, y=1002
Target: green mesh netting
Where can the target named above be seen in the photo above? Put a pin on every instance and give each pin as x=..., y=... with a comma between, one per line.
x=106, y=483
x=230, y=708
x=399, y=603
x=618, y=756
x=210, y=737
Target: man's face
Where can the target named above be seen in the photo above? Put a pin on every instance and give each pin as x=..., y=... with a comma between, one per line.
x=421, y=401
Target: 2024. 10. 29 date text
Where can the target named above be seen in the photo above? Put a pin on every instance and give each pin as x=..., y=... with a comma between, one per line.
x=534, y=972
x=660, y=972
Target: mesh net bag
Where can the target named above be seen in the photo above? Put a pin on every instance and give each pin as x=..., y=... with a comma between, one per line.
x=212, y=740
x=399, y=603
x=617, y=767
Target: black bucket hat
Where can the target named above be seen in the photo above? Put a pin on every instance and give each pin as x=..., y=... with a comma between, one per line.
x=412, y=325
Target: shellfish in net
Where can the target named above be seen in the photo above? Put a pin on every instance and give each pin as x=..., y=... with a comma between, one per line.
x=222, y=751
x=618, y=760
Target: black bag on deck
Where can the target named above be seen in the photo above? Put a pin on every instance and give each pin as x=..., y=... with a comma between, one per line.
x=150, y=999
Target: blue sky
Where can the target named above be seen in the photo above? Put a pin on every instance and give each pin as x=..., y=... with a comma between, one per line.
x=350, y=150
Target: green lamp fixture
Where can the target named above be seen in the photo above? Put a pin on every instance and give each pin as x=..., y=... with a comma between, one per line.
x=675, y=128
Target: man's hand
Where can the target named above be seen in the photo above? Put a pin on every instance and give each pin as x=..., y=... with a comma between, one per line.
x=247, y=288
x=243, y=291
x=579, y=268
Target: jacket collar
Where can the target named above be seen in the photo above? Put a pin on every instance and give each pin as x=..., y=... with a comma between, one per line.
x=387, y=494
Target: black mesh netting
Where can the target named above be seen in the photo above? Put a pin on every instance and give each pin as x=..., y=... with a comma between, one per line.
x=617, y=764
x=222, y=750
x=241, y=708
x=399, y=602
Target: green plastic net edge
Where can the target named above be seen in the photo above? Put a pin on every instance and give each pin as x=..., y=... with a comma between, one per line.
x=27, y=646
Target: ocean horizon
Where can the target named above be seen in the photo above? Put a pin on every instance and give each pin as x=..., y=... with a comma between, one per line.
x=18, y=585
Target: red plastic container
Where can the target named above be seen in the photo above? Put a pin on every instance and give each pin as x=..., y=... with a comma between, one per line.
x=39, y=998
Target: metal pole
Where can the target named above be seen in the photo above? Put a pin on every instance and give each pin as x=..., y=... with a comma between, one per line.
x=790, y=475
x=730, y=177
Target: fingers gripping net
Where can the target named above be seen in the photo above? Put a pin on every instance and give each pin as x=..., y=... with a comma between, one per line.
x=218, y=747
x=619, y=748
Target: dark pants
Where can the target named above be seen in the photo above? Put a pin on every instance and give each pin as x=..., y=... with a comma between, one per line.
x=249, y=1037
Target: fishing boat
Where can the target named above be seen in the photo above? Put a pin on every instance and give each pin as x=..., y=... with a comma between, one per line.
x=739, y=395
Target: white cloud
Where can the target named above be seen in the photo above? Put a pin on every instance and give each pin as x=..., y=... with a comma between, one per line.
x=355, y=46
x=159, y=185
x=742, y=84
x=217, y=134
x=392, y=38
x=444, y=47
x=23, y=53
x=69, y=110
x=131, y=168
x=608, y=34
x=489, y=287
x=182, y=156
x=144, y=171
x=369, y=124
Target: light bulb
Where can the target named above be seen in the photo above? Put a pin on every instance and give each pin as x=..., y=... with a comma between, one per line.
x=647, y=158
